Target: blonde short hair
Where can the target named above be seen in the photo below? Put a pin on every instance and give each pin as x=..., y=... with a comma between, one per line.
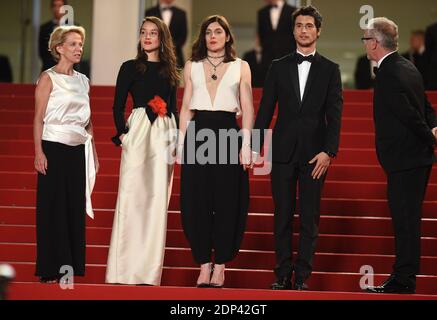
x=59, y=35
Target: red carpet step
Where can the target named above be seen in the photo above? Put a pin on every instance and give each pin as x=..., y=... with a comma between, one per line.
x=365, y=225
x=359, y=244
x=36, y=291
x=239, y=278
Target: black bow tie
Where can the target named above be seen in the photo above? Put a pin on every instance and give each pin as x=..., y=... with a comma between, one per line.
x=274, y=6
x=375, y=70
x=300, y=58
x=165, y=8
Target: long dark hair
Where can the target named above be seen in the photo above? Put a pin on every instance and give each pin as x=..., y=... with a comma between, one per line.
x=167, y=57
x=199, y=50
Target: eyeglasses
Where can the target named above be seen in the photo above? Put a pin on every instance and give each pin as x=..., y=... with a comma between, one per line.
x=363, y=39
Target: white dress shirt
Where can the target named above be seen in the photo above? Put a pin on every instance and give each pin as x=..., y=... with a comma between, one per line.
x=166, y=14
x=304, y=70
x=275, y=14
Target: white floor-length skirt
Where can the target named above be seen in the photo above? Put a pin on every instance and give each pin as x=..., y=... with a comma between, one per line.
x=136, y=253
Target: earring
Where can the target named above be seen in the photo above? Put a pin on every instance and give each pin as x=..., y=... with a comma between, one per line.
x=162, y=48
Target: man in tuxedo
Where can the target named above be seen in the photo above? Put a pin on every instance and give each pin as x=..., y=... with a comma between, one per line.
x=416, y=53
x=431, y=57
x=176, y=20
x=45, y=31
x=364, y=76
x=405, y=134
x=5, y=69
x=257, y=64
x=276, y=36
x=308, y=90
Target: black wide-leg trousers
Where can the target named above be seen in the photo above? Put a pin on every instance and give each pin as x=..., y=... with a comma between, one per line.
x=214, y=196
x=60, y=211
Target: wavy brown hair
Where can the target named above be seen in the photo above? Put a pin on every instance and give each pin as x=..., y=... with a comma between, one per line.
x=167, y=57
x=200, y=51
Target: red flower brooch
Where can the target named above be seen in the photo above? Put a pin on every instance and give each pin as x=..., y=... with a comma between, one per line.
x=158, y=105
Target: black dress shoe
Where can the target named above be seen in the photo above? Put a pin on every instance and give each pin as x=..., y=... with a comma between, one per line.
x=300, y=286
x=392, y=286
x=283, y=283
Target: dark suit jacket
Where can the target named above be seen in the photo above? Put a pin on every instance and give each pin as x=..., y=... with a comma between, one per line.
x=418, y=60
x=5, y=69
x=178, y=29
x=43, y=41
x=431, y=57
x=258, y=69
x=363, y=76
x=403, y=116
x=280, y=42
x=314, y=123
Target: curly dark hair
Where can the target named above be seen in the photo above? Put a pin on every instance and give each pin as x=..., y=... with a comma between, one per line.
x=167, y=57
x=199, y=50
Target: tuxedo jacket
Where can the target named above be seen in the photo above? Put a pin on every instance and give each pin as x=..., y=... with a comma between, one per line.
x=43, y=42
x=313, y=123
x=403, y=116
x=418, y=60
x=5, y=69
x=258, y=69
x=280, y=42
x=431, y=57
x=363, y=75
x=178, y=29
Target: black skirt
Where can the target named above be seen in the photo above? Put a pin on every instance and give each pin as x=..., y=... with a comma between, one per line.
x=214, y=190
x=60, y=211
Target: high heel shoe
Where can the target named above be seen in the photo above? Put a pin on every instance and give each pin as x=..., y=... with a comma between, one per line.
x=220, y=273
x=206, y=267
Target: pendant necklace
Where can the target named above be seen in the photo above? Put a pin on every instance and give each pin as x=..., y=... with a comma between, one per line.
x=214, y=76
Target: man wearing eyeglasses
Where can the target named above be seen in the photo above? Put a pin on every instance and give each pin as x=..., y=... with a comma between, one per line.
x=308, y=90
x=405, y=134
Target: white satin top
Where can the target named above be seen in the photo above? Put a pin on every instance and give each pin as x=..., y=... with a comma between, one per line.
x=67, y=115
x=227, y=97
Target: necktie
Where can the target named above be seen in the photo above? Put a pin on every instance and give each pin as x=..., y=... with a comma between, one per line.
x=300, y=58
x=375, y=70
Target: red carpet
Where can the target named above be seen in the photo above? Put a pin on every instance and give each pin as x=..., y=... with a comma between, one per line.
x=355, y=226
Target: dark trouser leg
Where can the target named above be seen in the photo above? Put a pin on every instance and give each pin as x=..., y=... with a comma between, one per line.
x=76, y=205
x=196, y=211
x=405, y=194
x=59, y=231
x=231, y=198
x=310, y=192
x=284, y=178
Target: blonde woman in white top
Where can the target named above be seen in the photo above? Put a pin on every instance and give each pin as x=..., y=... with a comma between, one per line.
x=214, y=184
x=65, y=158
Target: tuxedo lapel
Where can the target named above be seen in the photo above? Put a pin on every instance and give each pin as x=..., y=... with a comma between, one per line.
x=295, y=77
x=315, y=66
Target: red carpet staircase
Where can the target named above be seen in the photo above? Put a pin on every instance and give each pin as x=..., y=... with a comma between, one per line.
x=355, y=228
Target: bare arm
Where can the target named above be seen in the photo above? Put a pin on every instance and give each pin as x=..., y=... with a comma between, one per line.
x=246, y=102
x=186, y=114
x=42, y=94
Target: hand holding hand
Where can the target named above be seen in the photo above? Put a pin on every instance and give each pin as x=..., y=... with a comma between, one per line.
x=246, y=157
